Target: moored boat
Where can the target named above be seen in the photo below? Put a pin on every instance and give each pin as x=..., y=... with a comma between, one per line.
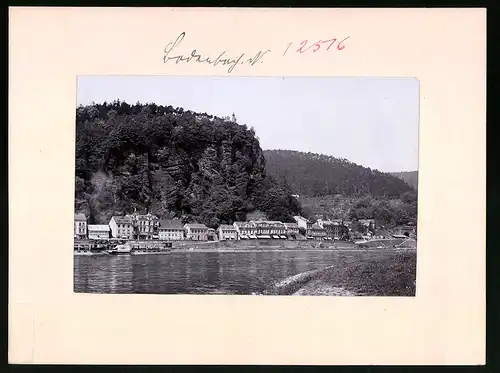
x=82, y=252
x=144, y=252
x=121, y=249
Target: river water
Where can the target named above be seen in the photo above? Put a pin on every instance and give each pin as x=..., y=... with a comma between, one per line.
x=200, y=273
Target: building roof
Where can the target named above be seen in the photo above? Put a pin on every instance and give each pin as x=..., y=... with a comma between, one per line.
x=291, y=225
x=366, y=221
x=196, y=226
x=147, y=217
x=80, y=217
x=326, y=222
x=227, y=227
x=257, y=222
x=316, y=226
x=329, y=223
x=275, y=222
x=244, y=224
x=99, y=227
x=266, y=222
x=171, y=224
x=122, y=219
x=298, y=217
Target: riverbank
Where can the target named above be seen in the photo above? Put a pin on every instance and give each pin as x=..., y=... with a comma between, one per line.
x=242, y=245
x=259, y=245
x=280, y=245
x=213, y=246
x=146, y=248
x=281, y=249
x=393, y=274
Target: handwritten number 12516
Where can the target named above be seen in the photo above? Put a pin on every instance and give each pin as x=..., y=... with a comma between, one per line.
x=316, y=46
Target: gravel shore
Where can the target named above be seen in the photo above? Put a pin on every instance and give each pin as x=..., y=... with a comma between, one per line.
x=393, y=274
x=317, y=287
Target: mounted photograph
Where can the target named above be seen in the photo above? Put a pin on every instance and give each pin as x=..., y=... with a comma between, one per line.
x=265, y=186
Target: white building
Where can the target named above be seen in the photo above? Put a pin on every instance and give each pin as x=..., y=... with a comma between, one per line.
x=227, y=232
x=316, y=232
x=121, y=227
x=269, y=229
x=171, y=230
x=245, y=230
x=211, y=235
x=292, y=229
x=80, y=226
x=145, y=226
x=367, y=222
x=302, y=222
x=98, y=231
x=196, y=232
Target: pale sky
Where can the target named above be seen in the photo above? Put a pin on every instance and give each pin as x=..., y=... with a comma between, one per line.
x=369, y=121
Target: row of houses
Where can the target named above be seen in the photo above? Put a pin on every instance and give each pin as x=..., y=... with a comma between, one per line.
x=323, y=229
x=133, y=226
x=150, y=227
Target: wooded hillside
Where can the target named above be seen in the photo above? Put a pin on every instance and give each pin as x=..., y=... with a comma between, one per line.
x=329, y=187
x=410, y=177
x=314, y=174
x=172, y=162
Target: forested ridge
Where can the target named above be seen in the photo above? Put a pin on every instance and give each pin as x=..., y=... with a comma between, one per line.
x=314, y=174
x=173, y=163
x=410, y=177
x=330, y=187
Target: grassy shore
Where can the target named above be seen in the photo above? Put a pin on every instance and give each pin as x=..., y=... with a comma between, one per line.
x=391, y=274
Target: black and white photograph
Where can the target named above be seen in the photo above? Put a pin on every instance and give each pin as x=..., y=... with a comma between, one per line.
x=236, y=185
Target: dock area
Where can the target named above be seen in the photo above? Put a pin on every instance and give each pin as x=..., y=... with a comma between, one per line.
x=103, y=246
x=89, y=247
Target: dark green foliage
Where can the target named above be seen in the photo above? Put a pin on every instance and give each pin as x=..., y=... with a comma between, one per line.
x=338, y=189
x=173, y=163
x=387, y=213
x=320, y=175
x=410, y=177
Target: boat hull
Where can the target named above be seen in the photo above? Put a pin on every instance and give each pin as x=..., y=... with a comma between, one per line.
x=149, y=253
x=116, y=253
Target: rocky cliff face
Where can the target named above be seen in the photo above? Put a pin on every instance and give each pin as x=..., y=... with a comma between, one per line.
x=171, y=163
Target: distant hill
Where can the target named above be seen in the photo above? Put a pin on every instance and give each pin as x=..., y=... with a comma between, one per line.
x=314, y=175
x=410, y=177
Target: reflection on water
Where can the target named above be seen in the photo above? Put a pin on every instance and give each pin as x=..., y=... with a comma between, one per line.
x=199, y=273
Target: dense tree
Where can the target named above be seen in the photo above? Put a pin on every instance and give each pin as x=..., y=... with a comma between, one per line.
x=336, y=188
x=410, y=177
x=174, y=163
x=319, y=175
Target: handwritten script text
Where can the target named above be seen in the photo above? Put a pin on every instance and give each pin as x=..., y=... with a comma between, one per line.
x=222, y=59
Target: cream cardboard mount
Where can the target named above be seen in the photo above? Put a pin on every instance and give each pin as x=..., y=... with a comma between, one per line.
x=443, y=324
